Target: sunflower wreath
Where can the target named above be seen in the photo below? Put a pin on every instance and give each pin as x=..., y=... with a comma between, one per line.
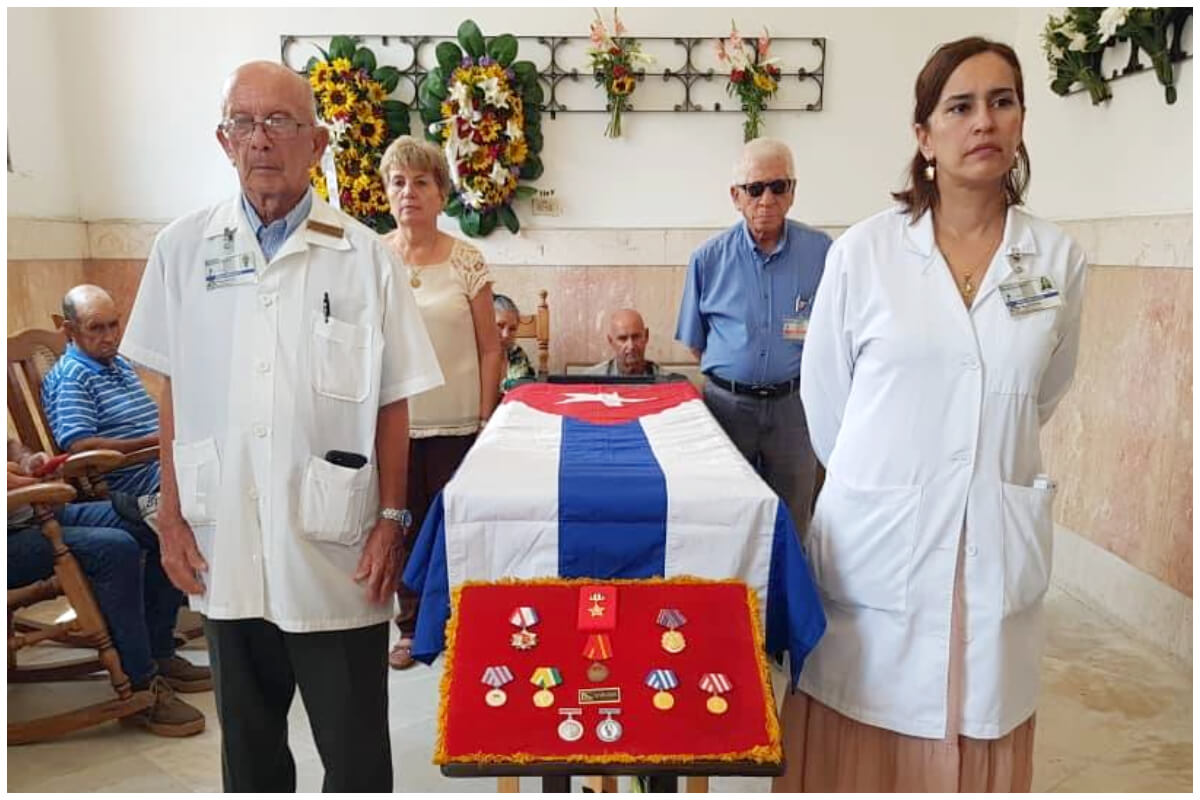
x=351, y=93
x=483, y=108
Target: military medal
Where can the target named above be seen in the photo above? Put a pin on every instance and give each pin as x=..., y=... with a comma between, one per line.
x=672, y=639
x=496, y=677
x=609, y=730
x=663, y=680
x=716, y=684
x=570, y=729
x=524, y=617
x=545, y=678
x=598, y=648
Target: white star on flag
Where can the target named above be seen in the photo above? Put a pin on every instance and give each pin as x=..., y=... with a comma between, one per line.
x=607, y=399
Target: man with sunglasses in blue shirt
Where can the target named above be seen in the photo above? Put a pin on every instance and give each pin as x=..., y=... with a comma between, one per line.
x=744, y=315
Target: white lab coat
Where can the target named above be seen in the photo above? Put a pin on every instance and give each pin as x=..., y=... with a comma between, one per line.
x=926, y=416
x=263, y=386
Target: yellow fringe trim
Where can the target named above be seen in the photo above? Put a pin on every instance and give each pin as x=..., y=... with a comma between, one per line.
x=770, y=753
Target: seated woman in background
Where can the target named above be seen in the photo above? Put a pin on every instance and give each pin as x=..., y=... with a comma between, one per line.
x=507, y=320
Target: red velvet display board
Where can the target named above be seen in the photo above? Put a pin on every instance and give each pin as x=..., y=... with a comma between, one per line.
x=723, y=635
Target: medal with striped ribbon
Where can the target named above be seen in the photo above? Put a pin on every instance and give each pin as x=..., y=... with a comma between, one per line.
x=663, y=680
x=496, y=677
x=672, y=639
x=524, y=617
x=598, y=648
x=716, y=684
x=545, y=678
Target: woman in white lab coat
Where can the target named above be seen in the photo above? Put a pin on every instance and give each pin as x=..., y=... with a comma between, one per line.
x=943, y=334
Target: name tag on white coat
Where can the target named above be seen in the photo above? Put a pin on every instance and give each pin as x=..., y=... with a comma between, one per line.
x=223, y=266
x=1027, y=295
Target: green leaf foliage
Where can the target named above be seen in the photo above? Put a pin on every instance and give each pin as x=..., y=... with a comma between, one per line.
x=471, y=39
x=509, y=218
x=503, y=49
x=448, y=56
x=341, y=47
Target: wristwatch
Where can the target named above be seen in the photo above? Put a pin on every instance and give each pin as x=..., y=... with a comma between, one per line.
x=399, y=515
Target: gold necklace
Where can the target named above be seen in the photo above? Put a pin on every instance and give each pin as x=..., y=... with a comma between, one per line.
x=414, y=277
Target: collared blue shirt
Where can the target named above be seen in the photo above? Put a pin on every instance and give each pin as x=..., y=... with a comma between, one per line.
x=736, y=298
x=271, y=237
x=84, y=398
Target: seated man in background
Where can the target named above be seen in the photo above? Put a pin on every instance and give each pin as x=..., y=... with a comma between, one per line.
x=121, y=562
x=628, y=337
x=508, y=319
x=93, y=398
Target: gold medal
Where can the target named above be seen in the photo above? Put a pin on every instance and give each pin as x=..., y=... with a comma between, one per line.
x=597, y=673
x=543, y=698
x=717, y=705
x=664, y=701
x=673, y=641
x=496, y=698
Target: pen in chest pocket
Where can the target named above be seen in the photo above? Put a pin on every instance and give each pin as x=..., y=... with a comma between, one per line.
x=325, y=307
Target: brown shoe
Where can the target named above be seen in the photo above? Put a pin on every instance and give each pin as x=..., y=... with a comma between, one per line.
x=169, y=716
x=401, y=655
x=183, y=675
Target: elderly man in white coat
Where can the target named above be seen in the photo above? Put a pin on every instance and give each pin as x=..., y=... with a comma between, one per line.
x=943, y=335
x=289, y=350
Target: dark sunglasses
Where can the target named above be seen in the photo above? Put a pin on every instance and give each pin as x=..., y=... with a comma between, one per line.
x=777, y=186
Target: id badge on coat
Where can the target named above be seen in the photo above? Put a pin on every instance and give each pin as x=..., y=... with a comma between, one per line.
x=1027, y=295
x=795, y=326
x=225, y=267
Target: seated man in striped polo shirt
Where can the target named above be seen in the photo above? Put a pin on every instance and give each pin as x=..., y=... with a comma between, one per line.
x=93, y=398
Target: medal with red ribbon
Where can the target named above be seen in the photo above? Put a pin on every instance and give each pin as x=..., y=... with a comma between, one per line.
x=716, y=684
x=672, y=639
x=524, y=617
x=598, y=649
x=496, y=677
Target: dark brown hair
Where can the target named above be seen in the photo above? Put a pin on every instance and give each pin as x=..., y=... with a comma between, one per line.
x=920, y=194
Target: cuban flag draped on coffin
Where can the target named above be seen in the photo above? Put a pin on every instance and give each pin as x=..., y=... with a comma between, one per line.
x=612, y=481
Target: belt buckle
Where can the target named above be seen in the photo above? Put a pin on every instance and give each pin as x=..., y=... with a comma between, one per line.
x=762, y=391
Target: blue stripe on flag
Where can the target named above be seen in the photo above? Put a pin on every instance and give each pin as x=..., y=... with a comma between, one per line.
x=426, y=575
x=612, y=503
x=795, y=619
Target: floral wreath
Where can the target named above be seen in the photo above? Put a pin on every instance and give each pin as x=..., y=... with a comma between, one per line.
x=352, y=101
x=482, y=107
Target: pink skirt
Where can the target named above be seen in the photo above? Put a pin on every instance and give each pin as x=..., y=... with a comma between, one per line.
x=829, y=752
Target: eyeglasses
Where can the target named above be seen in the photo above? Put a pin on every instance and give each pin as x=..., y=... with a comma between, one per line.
x=277, y=126
x=777, y=186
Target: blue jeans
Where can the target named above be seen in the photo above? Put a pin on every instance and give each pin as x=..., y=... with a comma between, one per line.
x=121, y=560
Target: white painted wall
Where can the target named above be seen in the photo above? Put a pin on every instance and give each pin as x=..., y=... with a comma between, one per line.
x=144, y=147
x=43, y=182
x=1131, y=156
x=151, y=152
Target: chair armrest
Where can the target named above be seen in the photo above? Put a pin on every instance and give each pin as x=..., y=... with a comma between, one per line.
x=48, y=494
x=91, y=462
x=142, y=456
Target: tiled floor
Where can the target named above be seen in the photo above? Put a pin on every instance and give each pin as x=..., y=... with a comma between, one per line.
x=1116, y=715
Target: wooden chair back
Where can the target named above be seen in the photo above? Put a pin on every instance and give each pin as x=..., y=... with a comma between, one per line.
x=537, y=326
x=31, y=355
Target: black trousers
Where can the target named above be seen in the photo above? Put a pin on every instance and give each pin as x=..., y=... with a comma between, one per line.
x=342, y=677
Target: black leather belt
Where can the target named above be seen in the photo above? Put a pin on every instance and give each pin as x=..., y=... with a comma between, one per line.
x=758, y=390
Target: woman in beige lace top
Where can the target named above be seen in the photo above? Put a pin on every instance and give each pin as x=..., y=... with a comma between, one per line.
x=454, y=292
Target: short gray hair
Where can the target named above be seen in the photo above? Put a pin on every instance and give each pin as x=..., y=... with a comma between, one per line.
x=762, y=150
x=502, y=302
x=408, y=152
